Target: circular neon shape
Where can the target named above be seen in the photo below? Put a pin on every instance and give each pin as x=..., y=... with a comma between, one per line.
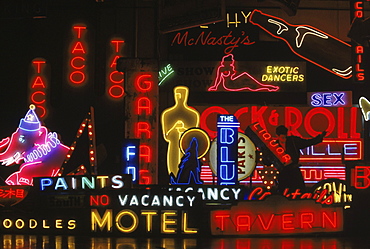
x=116, y=91
x=76, y=81
x=202, y=137
x=246, y=156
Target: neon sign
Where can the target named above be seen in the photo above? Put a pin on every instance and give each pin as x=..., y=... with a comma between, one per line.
x=276, y=215
x=228, y=78
x=361, y=177
x=246, y=156
x=341, y=122
x=130, y=158
x=329, y=99
x=78, y=52
x=38, y=87
x=175, y=121
x=142, y=105
x=115, y=79
x=365, y=108
x=11, y=195
x=164, y=73
x=39, y=152
x=283, y=74
x=303, y=40
x=227, y=144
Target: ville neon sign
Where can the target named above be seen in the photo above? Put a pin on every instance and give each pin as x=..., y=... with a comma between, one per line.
x=38, y=87
x=77, y=75
x=115, y=79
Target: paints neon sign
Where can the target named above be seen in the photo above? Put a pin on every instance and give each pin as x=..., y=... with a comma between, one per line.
x=115, y=79
x=38, y=87
x=78, y=52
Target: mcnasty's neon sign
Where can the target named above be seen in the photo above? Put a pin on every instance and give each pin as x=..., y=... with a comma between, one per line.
x=38, y=87
x=115, y=79
x=276, y=215
x=78, y=52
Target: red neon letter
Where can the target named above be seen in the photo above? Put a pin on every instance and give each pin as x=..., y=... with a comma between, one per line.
x=333, y=221
x=143, y=127
x=143, y=104
x=33, y=99
x=222, y=217
x=241, y=224
x=362, y=172
x=78, y=48
x=268, y=224
x=289, y=113
x=313, y=112
x=308, y=220
x=38, y=82
x=285, y=222
x=38, y=65
x=143, y=85
x=79, y=29
x=77, y=58
x=145, y=153
x=116, y=44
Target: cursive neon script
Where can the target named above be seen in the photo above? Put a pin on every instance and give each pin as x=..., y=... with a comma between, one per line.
x=43, y=149
x=206, y=39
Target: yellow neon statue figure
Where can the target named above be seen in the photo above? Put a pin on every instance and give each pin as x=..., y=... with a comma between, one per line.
x=175, y=121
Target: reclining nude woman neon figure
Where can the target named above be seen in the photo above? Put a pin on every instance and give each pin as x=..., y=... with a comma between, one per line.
x=226, y=75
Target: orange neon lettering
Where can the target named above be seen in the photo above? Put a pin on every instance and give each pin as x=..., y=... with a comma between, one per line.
x=79, y=30
x=240, y=224
x=38, y=82
x=143, y=85
x=268, y=226
x=306, y=219
x=114, y=61
x=143, y=128
x=293, y=126
x=78, y=47
x=73, y=64
x=286, y=222
x=145, y=153
x=358, y=69
x=358, y=6
x=119, y=76
x=144, y=104
x=116, y=91
x=116, y=44
x=222, y=220
x=359, y=14
x=39, y=102
x=79, y=74
x=326, y=219
x=38, y=65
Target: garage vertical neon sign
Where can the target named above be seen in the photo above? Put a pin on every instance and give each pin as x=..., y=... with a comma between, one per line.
x=77, y=75
x=38, y=87
x=227, y=149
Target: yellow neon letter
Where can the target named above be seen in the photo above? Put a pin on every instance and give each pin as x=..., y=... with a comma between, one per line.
x=149, y=219
x=135, y=221
x=185, y=228
x=101, y=222
x=166, y=222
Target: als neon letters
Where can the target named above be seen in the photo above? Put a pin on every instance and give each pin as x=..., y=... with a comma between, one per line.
x=77, y=75
x=115, y=79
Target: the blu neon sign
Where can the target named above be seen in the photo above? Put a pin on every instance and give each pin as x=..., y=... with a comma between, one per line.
x=130, y=158
x=227, y=149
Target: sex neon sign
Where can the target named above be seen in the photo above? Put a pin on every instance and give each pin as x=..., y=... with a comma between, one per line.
x=330, y=99
x=227, y=149
x=38, y=87
x=78, y=53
